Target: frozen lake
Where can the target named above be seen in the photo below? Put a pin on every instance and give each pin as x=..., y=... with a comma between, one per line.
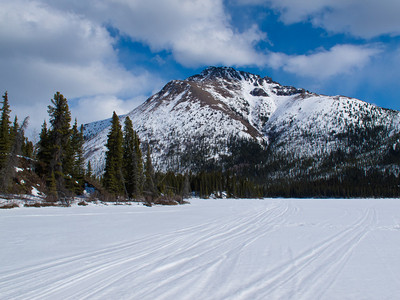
x=210, y=249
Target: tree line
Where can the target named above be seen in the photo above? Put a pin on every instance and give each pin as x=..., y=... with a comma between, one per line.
x=58, y=159
x=126, y=175
x=58, y=162
x=13, y=144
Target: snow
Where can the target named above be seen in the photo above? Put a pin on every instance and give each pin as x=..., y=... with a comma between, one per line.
x=35, y=192
x=219, y=103
x=210, y=249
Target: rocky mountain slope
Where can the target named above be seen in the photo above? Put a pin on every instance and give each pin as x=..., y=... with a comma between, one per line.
x=226, y=118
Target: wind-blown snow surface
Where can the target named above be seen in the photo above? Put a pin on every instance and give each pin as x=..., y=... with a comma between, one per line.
x=211, y=249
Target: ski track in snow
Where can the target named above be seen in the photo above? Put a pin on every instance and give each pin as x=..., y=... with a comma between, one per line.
x=223, y=258
x=318, y=266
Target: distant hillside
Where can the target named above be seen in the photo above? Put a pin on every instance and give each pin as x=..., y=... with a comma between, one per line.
x=228, y=119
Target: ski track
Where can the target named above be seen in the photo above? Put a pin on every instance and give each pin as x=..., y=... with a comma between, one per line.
x=318, y=266
x=189, y=263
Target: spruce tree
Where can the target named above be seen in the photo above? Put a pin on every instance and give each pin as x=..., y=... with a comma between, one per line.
x=77, y=170
x=89, y=171
x=149, y=188
x=59, y=135
x=27, y=148
x=5, y=132
x=186, y=186
x=79, y=161
x=14, y=131
x=113, y=179
x=139, y=164
x=129, y=159
x=44, y=152
x=17, y=133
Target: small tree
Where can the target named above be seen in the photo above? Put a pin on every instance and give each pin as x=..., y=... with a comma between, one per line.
x=78, y=161
x=186, y=187
x=27, y=148
x=8, y=172
x=89, y=171
x=5, y=132
x=139, y=164
x=149, y=188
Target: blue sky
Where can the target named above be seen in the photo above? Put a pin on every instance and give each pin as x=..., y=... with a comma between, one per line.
x=107, y=55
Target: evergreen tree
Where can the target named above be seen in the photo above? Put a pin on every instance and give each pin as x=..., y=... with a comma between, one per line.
x=139, y=165
x=5, y=138
x=59, y=135
x=17, y=133
x=51, y=186
x=27, y=148
x=113, y=179
x=89, y=171
x=149, y=188
x=186, y=187
x=77, y=172
x=18, y=137
x=14, y=131
x=80, y=161
x=130, y=171
x=44, y=152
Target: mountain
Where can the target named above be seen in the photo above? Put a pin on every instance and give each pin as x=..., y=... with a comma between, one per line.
x=228, y=119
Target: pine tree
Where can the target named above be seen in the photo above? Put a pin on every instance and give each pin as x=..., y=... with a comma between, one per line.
x=149, y=188
x=130, y=171
x=5, y=129
x=59, y=135
x=113, y=179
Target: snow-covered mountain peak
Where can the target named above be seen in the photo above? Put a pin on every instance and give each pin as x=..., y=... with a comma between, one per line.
x=190, y=123
x=218, y=73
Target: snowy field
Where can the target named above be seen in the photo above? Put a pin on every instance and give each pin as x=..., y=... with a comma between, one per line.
x=210, y=249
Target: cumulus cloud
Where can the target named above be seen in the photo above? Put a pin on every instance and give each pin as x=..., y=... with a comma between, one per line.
x=45, y=50
x=340, y=59
x=196, y=32
x=64, y=45
x=361, y=18
x=50, y=46
x=104, y=107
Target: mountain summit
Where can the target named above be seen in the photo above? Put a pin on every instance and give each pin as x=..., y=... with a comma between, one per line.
x=223, y=118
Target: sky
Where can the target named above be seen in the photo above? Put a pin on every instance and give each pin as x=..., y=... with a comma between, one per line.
x=111, y=55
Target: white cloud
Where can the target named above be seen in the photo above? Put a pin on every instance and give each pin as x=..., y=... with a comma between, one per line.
x=50, y=46
x=197, y=32
x=102, y=107
x=340, y=59
x=45, y=50
x=361, y=18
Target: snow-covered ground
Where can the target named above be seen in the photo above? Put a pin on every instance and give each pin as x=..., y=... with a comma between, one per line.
x=210, y=249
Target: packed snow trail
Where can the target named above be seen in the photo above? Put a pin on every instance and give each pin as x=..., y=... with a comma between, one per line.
x=210, y=249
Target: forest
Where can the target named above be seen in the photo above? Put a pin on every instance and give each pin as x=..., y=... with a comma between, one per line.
x=55, y=165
